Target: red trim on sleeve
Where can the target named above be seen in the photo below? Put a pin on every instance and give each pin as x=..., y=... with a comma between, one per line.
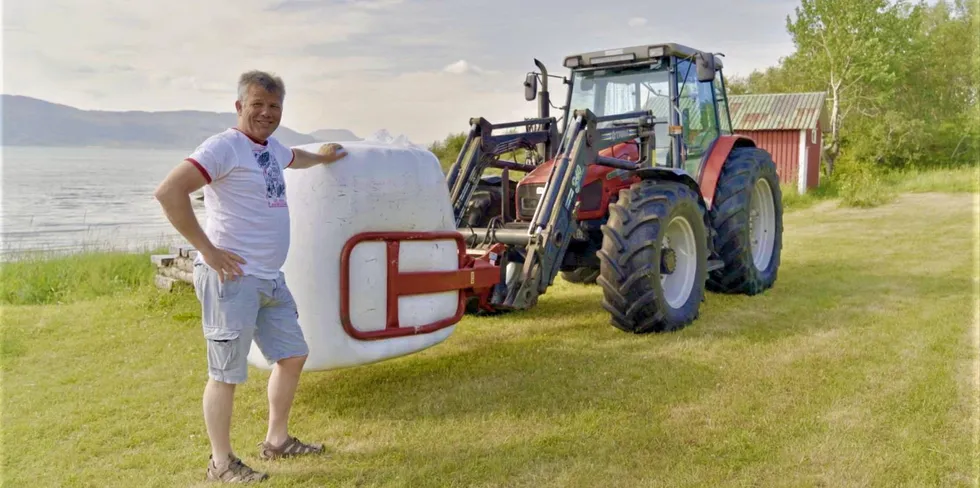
x=293, y=153
x=200, y=168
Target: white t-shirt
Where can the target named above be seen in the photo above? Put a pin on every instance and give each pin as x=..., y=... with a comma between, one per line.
x=245, y=199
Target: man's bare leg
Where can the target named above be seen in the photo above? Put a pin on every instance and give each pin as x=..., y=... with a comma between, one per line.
x=282, y=389
x=218, y=401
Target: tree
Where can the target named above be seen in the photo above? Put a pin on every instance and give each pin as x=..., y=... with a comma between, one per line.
x=942, y=65
x=447, y=150
x=928, y=117
x=853, y=47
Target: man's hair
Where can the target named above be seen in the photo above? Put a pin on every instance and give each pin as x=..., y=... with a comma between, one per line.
x=270, y=82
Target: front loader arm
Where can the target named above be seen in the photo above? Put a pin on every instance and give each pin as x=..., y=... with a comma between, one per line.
x=481, y=151
x=554, y=220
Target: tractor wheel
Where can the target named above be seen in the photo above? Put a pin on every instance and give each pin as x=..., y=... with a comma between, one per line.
x=747, y=216
x=485, y=204
x=581, y=275
x=654, y=256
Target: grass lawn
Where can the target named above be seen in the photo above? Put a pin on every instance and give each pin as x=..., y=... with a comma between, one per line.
x=858, y=369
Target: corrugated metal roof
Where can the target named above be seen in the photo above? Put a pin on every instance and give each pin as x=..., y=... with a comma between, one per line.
x=778, y=111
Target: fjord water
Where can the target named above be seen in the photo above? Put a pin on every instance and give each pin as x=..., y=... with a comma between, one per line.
x=71, y=199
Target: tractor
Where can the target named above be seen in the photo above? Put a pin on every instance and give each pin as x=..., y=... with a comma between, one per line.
x=640, y=186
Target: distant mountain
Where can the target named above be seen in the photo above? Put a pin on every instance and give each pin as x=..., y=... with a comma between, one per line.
x=32, y=122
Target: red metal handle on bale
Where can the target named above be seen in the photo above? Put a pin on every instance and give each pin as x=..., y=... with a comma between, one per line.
x=416, y=283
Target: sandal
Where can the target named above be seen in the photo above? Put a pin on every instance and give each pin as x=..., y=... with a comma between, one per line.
x=235, y=472
x=292, y=447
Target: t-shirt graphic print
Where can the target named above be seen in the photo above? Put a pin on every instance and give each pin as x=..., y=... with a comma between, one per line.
x=275, y=184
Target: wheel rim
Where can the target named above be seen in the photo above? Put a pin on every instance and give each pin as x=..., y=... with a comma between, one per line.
x=677, y=286
x=762, y=224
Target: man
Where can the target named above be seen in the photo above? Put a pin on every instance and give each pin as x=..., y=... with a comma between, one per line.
x=237, y=275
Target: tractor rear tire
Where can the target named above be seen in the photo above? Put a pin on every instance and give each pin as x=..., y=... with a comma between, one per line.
x=747, y=216
x=646, y=287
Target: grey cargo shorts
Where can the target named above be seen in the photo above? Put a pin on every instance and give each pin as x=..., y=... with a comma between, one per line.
x=240, y=310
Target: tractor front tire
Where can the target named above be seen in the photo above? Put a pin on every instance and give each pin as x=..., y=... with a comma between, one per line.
x=747, y=216
x=581, y=275
x=654, y=256
x=484, y=204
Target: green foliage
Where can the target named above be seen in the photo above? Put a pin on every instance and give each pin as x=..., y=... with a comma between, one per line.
x=901, y=79
x=860, y=185
x=851, y=48
x=448, y=149
x=64, y=279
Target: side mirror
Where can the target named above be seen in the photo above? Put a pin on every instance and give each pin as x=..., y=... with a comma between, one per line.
x=530, y=87
x=706, y=67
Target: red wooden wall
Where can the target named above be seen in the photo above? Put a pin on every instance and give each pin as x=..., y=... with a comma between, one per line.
x=784, y=146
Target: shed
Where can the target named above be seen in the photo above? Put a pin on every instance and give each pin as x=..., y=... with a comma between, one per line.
x=788, y=125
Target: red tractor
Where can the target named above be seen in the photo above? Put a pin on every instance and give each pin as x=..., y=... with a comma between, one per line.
x=647, y=192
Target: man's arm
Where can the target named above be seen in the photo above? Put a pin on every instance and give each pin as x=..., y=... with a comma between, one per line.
x=173, y=193
x=174, y=196
x=327, y=154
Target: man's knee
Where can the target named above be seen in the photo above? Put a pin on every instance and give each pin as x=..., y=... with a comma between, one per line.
x=219, y=387
x=293, y=364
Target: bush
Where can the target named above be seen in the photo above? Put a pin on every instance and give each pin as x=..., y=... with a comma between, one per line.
x=448, y=149
x=860, y=184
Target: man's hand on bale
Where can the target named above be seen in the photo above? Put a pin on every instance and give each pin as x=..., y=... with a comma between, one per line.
x=331, y=152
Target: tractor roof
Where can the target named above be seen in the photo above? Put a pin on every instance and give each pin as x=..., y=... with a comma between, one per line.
x=642, y=53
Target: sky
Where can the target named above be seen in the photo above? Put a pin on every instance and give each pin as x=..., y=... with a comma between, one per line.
x=420, y=68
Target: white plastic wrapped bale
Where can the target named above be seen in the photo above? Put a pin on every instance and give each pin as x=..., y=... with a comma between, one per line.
x=378, y=187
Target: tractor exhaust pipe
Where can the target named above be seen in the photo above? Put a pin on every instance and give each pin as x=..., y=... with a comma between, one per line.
x=544, y=108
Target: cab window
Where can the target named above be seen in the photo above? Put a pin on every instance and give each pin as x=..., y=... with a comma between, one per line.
x=724, y=121
x=697, y=114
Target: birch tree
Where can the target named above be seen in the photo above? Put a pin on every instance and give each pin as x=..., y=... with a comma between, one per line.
x=851, y=47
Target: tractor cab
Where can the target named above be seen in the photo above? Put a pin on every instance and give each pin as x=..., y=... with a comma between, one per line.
x=683, y=87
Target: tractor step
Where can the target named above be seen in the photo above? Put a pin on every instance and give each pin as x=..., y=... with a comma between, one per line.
x=714, y=264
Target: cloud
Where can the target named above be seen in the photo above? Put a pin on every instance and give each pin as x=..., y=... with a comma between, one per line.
x=462, y=67
x=422, y=68
x=306, y=5
x=637, y=22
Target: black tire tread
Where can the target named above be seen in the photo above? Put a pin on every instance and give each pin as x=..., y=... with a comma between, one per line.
x=729, y=217
x=630, y=257
x=581, y=275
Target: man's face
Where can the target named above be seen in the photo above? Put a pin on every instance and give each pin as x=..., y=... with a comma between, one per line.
x=260, y=112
